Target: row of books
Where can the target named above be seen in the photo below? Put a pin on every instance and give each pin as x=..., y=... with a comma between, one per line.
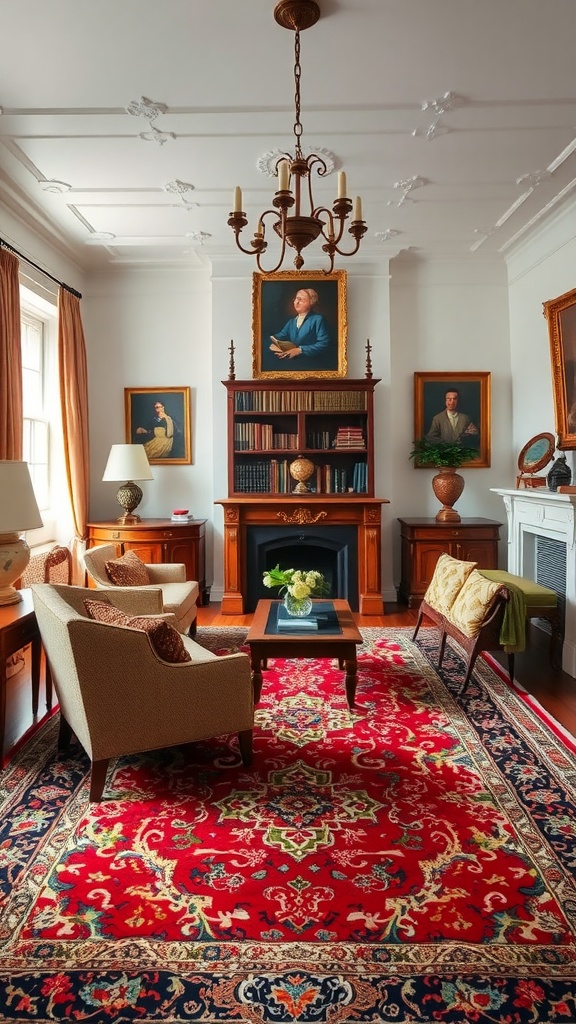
x=262, y=437
x=273, y=477
x=299, y=401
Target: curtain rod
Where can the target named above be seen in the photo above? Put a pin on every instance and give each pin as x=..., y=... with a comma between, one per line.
x=31, y=263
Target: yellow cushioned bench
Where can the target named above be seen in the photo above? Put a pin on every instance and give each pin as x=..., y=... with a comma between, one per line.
x=528, y=600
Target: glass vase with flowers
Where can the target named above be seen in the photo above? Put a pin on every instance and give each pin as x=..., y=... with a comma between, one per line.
x=297, y=586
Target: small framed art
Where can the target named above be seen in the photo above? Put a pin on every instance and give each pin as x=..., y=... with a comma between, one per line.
x=455, y=405
x=159, y=418
x=299, y=325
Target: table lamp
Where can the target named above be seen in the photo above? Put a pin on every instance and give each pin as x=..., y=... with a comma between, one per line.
x=18, y=512
x=128, y=462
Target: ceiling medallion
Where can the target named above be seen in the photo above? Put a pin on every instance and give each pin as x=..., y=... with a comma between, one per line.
x=180, y=188
x=407, y=186
x=57, y=187
x=534, y=179
x=150, y=110
x=385, y=236
x=198, y=237
x=267, y=163
x=440, y=106
x=146, y=108
x=299, y=229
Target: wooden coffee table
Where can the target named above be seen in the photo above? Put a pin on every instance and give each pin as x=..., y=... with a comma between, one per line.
x=341, y=645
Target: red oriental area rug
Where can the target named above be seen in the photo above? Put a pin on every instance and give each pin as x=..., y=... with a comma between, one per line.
x=412, y=860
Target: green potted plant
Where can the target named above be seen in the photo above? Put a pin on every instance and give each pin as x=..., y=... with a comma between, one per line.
x=446, y=456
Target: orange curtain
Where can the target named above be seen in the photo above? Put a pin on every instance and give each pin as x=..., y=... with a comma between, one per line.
x=74, y=399
x=10, y=358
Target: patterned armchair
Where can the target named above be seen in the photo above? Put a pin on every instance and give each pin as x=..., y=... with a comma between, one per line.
x=179, y=595
x=119, y=696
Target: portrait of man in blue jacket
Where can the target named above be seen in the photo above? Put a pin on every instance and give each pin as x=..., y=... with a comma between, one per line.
x=305, y=334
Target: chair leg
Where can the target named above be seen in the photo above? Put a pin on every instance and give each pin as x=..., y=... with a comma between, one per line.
x=443, y=636
x=468, y=675
x=245, y=741
x=64, y=734
x=192, y=629
x=98, y=779
x=418, y=624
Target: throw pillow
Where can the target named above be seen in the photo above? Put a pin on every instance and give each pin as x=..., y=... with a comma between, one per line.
x=165, y=640
x=127, y=571
x=449, y=577
x=473, y=603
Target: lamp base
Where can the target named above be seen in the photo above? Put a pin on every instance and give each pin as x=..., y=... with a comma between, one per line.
x=14, y=557
x=129, y=497
x=128, y=518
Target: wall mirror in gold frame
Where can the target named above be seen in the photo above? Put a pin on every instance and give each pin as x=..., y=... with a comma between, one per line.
x=537, y=453
x=561, y=316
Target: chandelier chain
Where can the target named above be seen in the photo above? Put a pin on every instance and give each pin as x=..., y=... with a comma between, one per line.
x=297, y=76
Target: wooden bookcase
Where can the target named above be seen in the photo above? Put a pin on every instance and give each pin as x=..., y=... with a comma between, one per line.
x=270, y=424
x=329, y=422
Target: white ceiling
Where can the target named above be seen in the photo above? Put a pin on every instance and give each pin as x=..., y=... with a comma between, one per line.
x=498, y=162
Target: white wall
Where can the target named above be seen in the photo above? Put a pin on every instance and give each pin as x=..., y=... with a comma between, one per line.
x=151, y=328
x=543, y=268
x=448, y=317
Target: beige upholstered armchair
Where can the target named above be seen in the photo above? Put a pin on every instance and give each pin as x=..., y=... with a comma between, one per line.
x=179, y=595
x=119, y=696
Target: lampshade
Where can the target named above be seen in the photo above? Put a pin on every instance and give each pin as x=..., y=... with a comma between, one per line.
x=128, y=462
x=18, y=511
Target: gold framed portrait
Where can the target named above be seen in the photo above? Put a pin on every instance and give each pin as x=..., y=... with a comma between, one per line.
x=299, y=325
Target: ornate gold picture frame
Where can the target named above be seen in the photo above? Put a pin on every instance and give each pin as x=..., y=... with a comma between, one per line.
x=473, y=401
x=159, y=418
x=286, y=347
x=561, y=316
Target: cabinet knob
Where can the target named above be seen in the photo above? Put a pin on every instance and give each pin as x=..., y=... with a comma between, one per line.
x=115, y=534
x=455, y=533
x=167, y=533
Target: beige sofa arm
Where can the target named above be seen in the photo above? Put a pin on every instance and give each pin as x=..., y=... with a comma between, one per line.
x=167, y=572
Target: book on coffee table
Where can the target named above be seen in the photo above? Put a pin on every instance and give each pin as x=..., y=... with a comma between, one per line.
x=298, y=625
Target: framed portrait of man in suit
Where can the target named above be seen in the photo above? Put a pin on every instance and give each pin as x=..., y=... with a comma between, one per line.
x=455, y=406
x=299, y=325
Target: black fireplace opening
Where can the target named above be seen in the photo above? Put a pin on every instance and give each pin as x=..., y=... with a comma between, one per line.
x=331, y=550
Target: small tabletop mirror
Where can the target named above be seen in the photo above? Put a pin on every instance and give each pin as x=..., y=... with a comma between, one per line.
x=535, y=455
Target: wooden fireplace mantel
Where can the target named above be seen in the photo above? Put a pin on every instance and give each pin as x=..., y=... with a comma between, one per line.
x=293, y=512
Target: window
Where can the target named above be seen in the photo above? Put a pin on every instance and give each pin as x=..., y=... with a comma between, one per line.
x=36, y=437
x=43, y=445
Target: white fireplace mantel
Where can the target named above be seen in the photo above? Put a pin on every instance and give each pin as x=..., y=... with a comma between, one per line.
x=543, y=513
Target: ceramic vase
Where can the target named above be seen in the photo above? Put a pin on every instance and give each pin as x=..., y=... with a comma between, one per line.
x=448, y=486
x=298, y=607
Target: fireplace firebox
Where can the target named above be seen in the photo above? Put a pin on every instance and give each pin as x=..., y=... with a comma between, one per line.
x=331, y=550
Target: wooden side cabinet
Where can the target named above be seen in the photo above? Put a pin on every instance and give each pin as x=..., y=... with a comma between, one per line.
x=424, y=540
x=159, y=540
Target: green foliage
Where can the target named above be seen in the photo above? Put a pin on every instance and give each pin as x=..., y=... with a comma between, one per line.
x=441, y=453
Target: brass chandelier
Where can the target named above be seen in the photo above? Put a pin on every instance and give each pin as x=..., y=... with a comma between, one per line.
x=296, y=228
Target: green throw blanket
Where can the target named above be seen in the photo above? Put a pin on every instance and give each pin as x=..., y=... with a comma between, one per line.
x=513, y=631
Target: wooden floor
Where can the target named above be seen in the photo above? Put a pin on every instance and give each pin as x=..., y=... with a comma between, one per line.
x=555, y=690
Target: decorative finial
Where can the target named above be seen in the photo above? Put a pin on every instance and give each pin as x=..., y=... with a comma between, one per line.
x=368, y=359
x=231, y=367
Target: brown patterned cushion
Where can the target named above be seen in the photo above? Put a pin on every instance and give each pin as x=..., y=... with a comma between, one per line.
x=165, y=640
x=127, y=571
x=449, y=577
x=473, y=603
